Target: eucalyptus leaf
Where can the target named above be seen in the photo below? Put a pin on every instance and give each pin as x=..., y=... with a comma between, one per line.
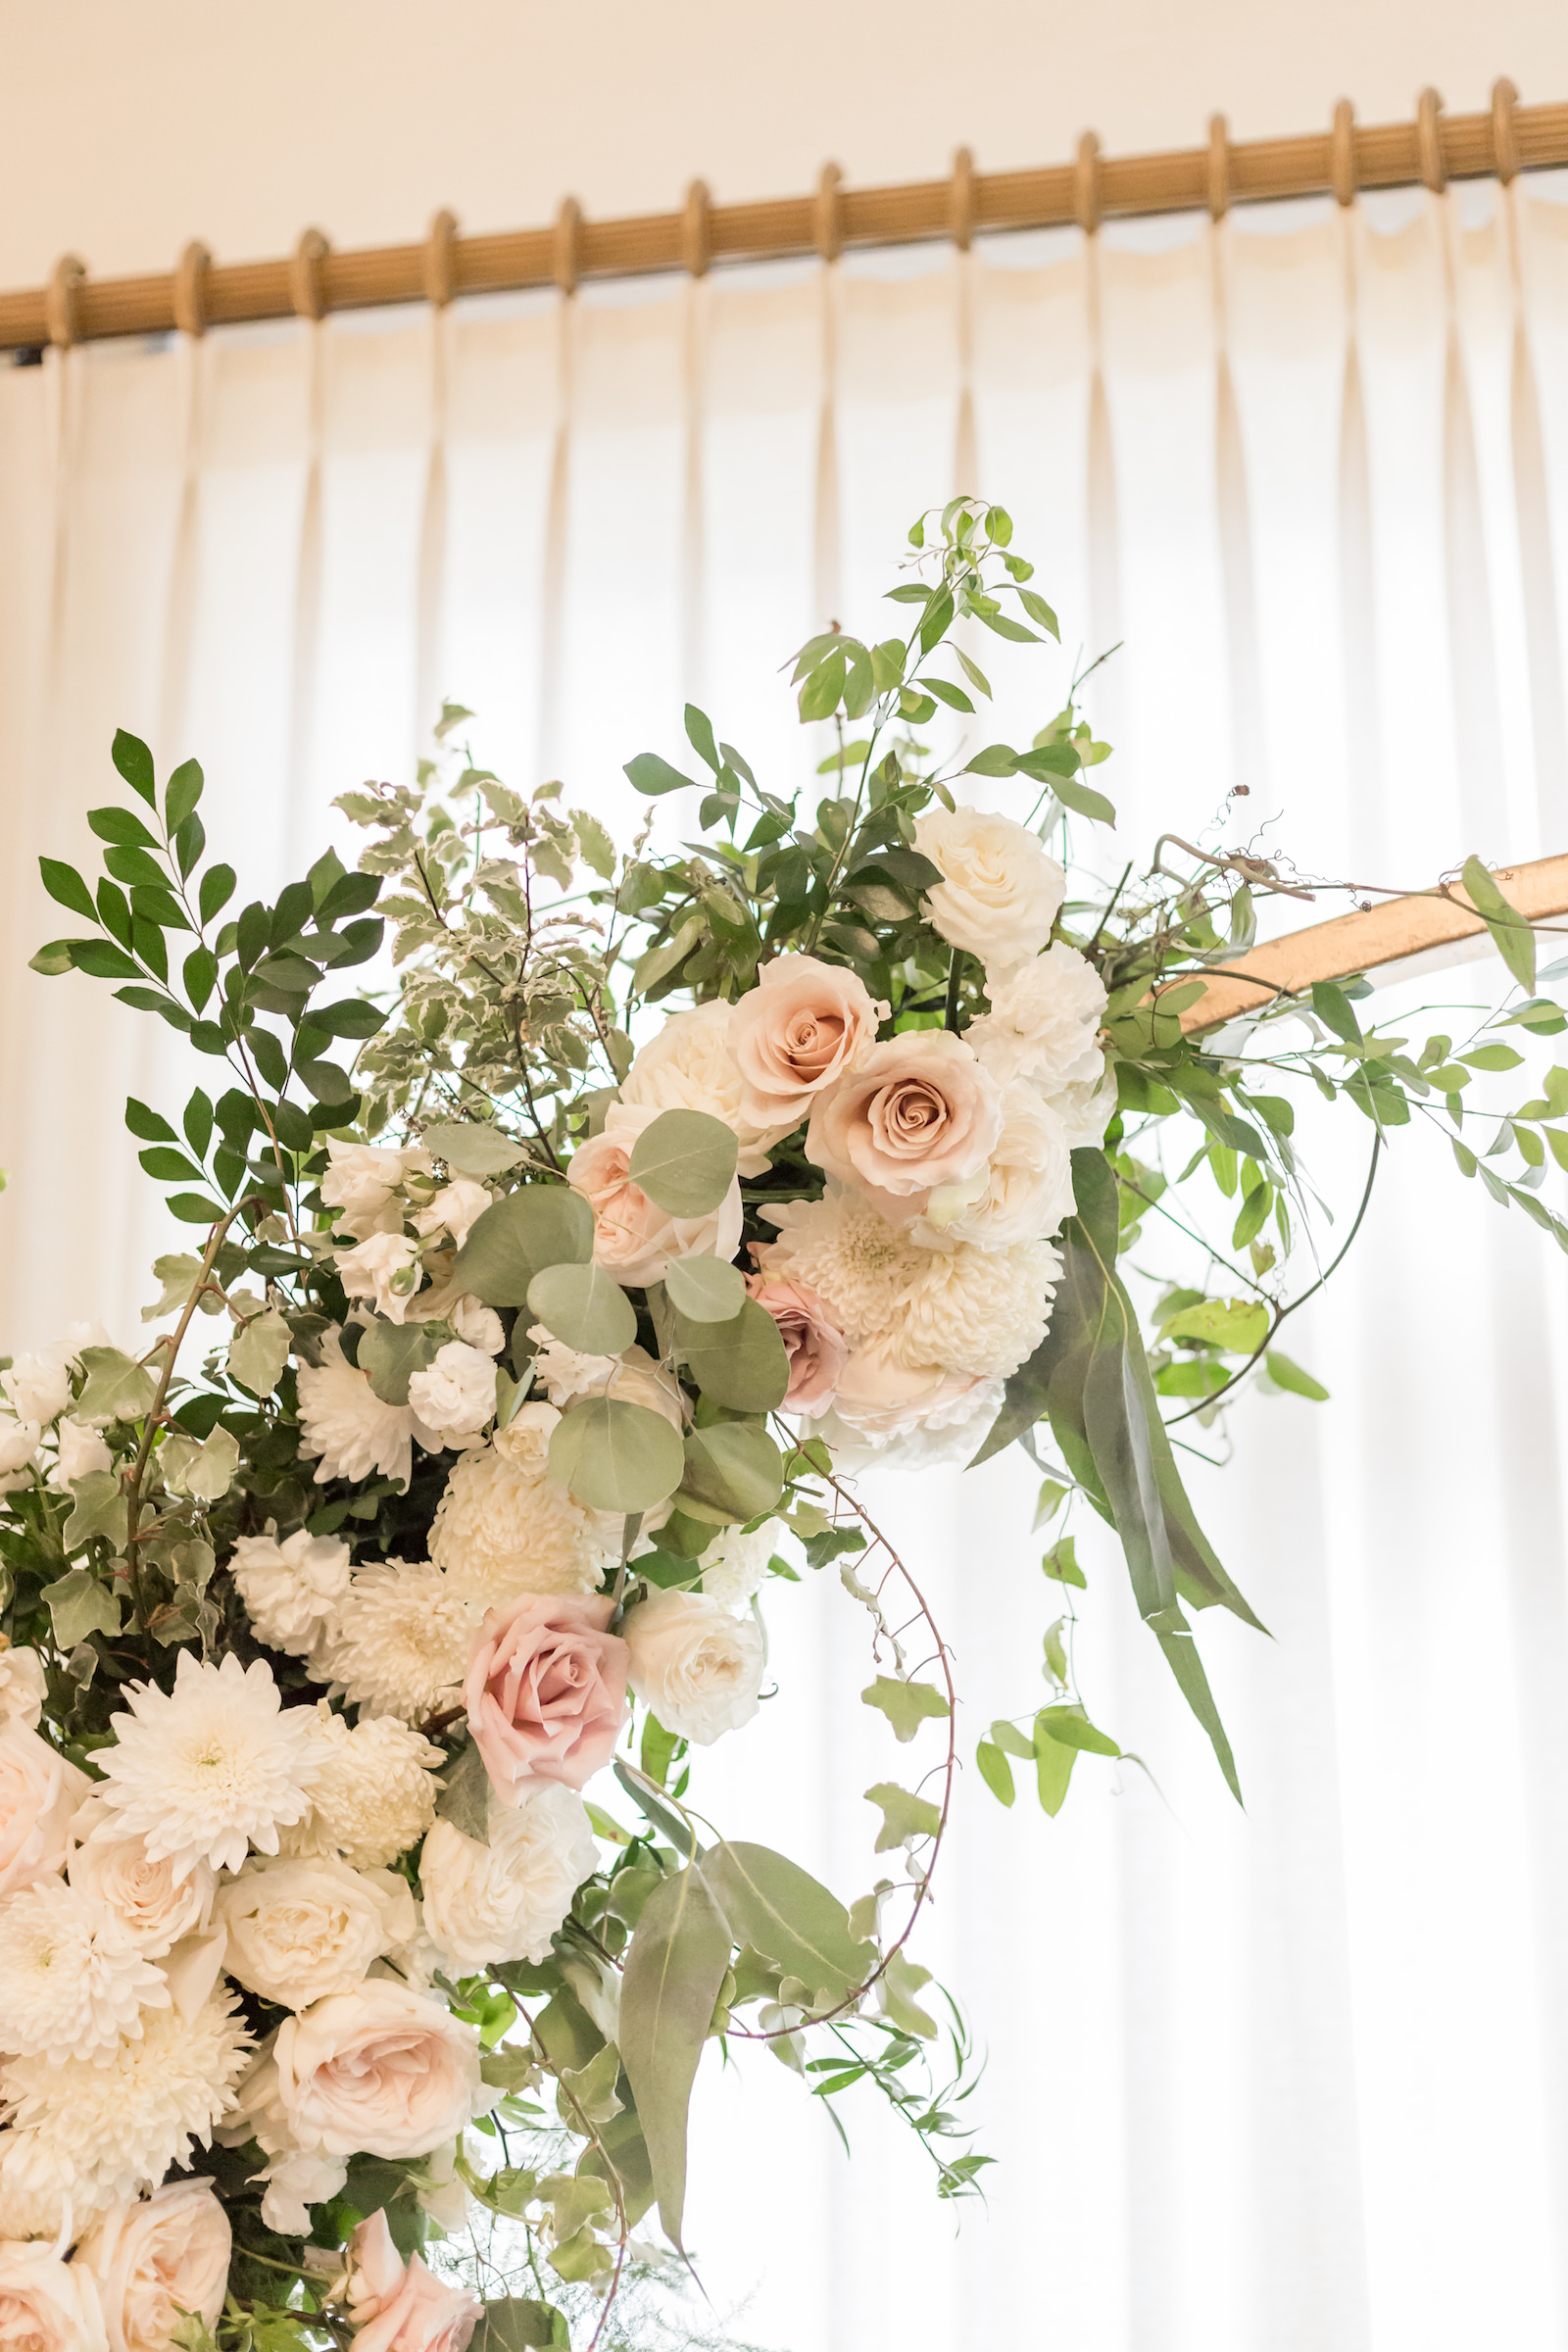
x=734, y=1468
x=674, y=1968
x=465, y=1799
x=616, y=1457
x=741, y=1364
x=584, y=1306
x=473, y=1150
x=706, y=1289
x=390, y=1354
x=515, y=2323
x=515, y=1239
x=685, y=1163
x=778, y=1908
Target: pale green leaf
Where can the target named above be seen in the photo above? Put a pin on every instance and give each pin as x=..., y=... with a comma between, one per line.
x=788, y=1916
x=259, y=1351
x=899, y=1984
x=473, y=1150
x=675, y=1969
x=903, y=1815
x=584, y=1306
x=706, y=1289
x=906, y=1705
x=1238, y=1324
x=537, y=1226
x=616, y=1457
x=98, y=1508
x=117, y=1388
x=205, y=1469
x=465, y=1799
x=79, y=1605
x=741, y=1364
x=390, y=1354
x=734, y=1468
x=1288, y=1375
x=685, y=1163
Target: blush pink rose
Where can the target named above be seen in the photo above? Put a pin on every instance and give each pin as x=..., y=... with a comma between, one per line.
x=379, y=2070
x=546, y=1690
x=920, y=1111
x=401, y=2307
x=812, y=1340
x=634, y=1240
x=798, y=1030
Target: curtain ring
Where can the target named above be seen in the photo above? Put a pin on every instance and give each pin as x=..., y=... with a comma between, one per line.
x=1088, y=195
x=1504, y=131
x=189, y=288
x=697, y=229
x=827, y=213
x=61, y=304
x=1219, y=167
x=1341, y=154
x=1429, y=141
x=960, y=200
x=567, y=265
x=436, y=260
x=306, y=287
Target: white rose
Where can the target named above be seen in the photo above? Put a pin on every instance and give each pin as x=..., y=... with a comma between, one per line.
x=456, y=1395
x=379, y=2070
x=999, y=893
x=695, y=1665
x=1022, y=1194
x=1086, y=1108
x=299, y=1931
x=689, y=1066
x=1043, y=1021
x=290, y=1589
x=21, y=1689
x=81, y=1452
x=155, y=2260
x=150, y=1904
x=18, y=1443
x=478, y=1323
x=39, y=1386
x=453, y=1209
x=505, y=1900
x=386, y=1268
x=361, y=1181
x=47, y=2305
x=39, y=1792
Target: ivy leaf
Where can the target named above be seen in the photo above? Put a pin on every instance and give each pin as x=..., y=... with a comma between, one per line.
x=259, y=1351
x=206, y=1470
x=906, y=1705
x=79, y=1605
x=118, y=1388
x=903, y=1815
x=675, y=1969
x=1237, y=1324
x=98, y=1508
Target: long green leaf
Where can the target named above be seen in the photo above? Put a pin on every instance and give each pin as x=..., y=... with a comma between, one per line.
x=773, y=1904
x=675, y=1969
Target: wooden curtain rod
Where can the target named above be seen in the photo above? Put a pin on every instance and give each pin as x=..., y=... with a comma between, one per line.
x=1434, y=149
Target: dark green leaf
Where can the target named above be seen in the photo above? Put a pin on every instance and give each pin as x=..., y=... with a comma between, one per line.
x=147, y=1124
x=217, y=888
x=135, y=763
x=121, y=827
x=180, y=795
x=67, y=887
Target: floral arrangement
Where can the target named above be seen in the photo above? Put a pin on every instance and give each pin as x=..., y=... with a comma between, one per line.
x=533, y=1337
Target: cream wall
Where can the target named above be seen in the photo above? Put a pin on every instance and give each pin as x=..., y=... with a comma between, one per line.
x=131, y=125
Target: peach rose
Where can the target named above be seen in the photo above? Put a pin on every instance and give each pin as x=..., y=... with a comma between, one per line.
x=803, y=1026
x=879, y=1397
x=634, y=1240
x=39, y=1793
x=156, y=2258
x=814, y=1342
x=401, y=2307
x=378, y=2071
x=47, y=2305
x=919, y=1112
x=546, y=1690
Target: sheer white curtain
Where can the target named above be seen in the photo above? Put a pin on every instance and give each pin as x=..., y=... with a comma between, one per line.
x=1292, y=2078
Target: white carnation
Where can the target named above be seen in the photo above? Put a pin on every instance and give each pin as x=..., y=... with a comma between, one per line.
x=453, y=1209
x=82, y=1451
x=455, y=1394
x=102, y=2130
x=147, y=1905
x=21, y=1689
x=345, y=1422
x=372, y=1795
x=402, y=1638
x=505, y=1900
x=689, y=1066
x=1086, y=1108
x=361, y=1181
x=695, y=1665
x=563, y=1373
x=999, y=893
x=735, y=1563
x=478, y=1324
x=384, y=1268
x=37, y=1386
x=1043, y=1021
x=72, y=1988
x=18, y=1443
x=216, y=1766
x=505, y=1526
x=290, y=1589
x=301, y=1929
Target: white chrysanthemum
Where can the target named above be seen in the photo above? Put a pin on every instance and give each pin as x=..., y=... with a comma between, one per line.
x=455, y=1394
x=735, y=1563
x=372, y=1795
x=845, y=1250
x=346, y=1423
x=505, y=1526
x=400, y=1640
x=21, y=1689
x=216, y=1766
x=505, y=1900
x=1043, y=1021
x=102, y=2131
x=72, y=1988
x=978, y=1311
x=290, y=1589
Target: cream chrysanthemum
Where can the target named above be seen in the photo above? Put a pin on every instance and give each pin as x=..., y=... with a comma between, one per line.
x=100, y=2132
x=374, y=1796
x=845, y=1250
x=70, y=1986
x=347, y=1424
x=505, y=1526
x=213, y=1766
x=401, y=1641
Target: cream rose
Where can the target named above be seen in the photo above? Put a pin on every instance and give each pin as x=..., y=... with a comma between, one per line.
x=802, y=1028
x=18, y=1443
x=999, y=893
x=695, y=1665
x=633, y=1239
x=880, y=1396
x=37, y=1386
x=39, y=1792
x=302, y=1929
x=398, y=2307
x=504, y=1899
x=47, y=2305
x=384, y=1268
x=917, y=1114
x=690, y=1067
x=813, y=1342
x=378, y=2069
x=157, y=2259
x=22, y=1688
x=151, y=1905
